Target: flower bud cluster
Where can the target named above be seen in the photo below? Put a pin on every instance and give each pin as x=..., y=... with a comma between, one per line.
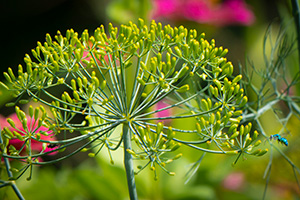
x=116, y=77
x=153, y=145
x=27, y=134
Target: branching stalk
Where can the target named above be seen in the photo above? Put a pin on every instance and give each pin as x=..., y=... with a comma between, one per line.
x=10, y=175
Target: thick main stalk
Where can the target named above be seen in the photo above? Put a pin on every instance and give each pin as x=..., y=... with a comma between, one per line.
x=129, y=163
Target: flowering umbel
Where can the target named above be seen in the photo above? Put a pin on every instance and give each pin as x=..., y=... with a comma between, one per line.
x=115, y=79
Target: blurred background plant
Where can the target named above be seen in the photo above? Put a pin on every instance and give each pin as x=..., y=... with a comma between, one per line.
x=215, y=178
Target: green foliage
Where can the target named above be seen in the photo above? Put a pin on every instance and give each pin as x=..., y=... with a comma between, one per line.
x=273, y=90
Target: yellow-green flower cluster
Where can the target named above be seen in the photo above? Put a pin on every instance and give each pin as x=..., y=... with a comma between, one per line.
x=115, y=78
x=153, y=145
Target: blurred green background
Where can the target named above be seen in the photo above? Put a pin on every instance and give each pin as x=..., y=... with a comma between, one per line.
x=26, y=22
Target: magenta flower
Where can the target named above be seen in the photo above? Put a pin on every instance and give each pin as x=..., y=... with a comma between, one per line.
x=35, y=145
x=229, y=12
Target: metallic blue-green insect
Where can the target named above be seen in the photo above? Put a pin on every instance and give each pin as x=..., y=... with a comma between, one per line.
x=279, y=139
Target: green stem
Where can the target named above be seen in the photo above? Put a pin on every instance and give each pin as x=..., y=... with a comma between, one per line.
x=9, y=173
x=129, y=163
x=295, y=8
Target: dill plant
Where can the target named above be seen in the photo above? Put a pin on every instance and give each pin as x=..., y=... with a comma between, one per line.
x=115, y=79
x=273, y=90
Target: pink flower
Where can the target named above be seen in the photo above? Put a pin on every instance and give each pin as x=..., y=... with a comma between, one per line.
x=205, y=11
x=35, y=145
x=234, y=181
x=163, y=113
x=165, y=8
